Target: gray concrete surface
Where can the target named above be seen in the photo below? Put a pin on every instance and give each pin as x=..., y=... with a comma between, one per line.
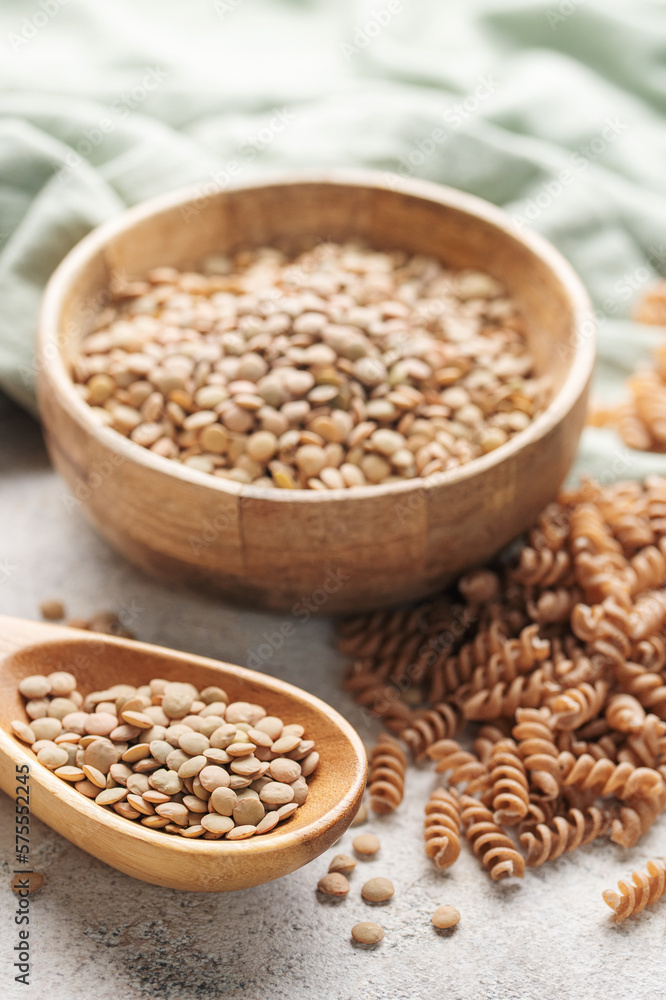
x=96, y=933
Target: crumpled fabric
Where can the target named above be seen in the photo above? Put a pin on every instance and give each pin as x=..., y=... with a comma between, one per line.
x=553, y=110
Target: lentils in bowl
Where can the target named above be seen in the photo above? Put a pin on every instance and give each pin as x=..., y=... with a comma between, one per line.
x=338, y=367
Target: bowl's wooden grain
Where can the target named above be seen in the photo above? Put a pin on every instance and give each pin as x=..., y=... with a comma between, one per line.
x=166, y=859
x=345, y=550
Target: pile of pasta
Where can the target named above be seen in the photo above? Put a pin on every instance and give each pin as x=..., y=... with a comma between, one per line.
x=640, y=419
x=551, y=667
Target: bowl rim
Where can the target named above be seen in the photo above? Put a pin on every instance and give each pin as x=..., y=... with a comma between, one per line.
x=50, y=364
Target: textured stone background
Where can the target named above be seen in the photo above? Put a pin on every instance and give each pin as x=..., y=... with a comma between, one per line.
x=96, y=933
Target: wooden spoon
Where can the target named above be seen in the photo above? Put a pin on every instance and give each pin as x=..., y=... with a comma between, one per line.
x=98, y=661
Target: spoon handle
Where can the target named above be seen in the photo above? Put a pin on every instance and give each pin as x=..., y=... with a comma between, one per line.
x=16, y=633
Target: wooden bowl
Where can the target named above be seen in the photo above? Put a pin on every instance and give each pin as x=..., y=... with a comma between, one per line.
x=303, y=551
x=336, y=786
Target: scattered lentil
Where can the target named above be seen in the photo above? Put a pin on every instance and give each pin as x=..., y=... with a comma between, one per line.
x=52, y=610
x=366, y=844
x=377, y=890
x=34, y=881
x=367, y=932
x=342, y=863
x=333, y=884
x=445, y=916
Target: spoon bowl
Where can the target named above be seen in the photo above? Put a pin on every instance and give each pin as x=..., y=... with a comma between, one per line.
x=163, y=859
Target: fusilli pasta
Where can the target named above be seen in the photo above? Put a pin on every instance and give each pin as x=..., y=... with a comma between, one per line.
x=442, y=827
x=496, y=851
x=386, y=778
x=644, y=889
x=558, y=652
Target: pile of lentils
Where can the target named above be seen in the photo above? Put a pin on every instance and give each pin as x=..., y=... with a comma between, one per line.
x=173, y=758
x=341, y=367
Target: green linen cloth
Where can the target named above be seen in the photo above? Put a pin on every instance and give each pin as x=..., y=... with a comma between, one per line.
x=552, y=109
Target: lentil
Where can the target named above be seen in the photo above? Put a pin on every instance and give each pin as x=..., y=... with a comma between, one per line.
x=366, y=844
x=445, y=916
x=54, y=610
x=62, y=683
x=377, y=890
x=23, y=731
x=53, y=756
x=35, y=686
x=36, y=708
x=333, y=884
x=34, y=881
x=284, y=770
x=241, y=832
x=367, y=932
x=342, y=863
x=276, y=793
x=216, y=823
x=47, y=728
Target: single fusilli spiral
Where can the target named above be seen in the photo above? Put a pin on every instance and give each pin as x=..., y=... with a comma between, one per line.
x=427, y=727
x=648, y=567
x=378, y=699
x=647, y=615
x=546, y=842
x=503, y=699
x=508, y=789
x=601, y=776
x=369, y=635
x=650, y=653
x=552, y=529
x=624, y=508
x=553, y=605
x=632, y=821
x=602, y=576
x=488, y=736
x=646, y=746
x=646, y=686
x=464, y=768
x=546, y=568
x=655, y=493
x=538, y=750
x=496, y=851
x=625, y=713
x=644, y=889
x=574, y=707
x=589, y=532
x=649, y=401
x=630, y=427
x=386, y=777
x=442, y=827
x=450, y=672
x=515, y=656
